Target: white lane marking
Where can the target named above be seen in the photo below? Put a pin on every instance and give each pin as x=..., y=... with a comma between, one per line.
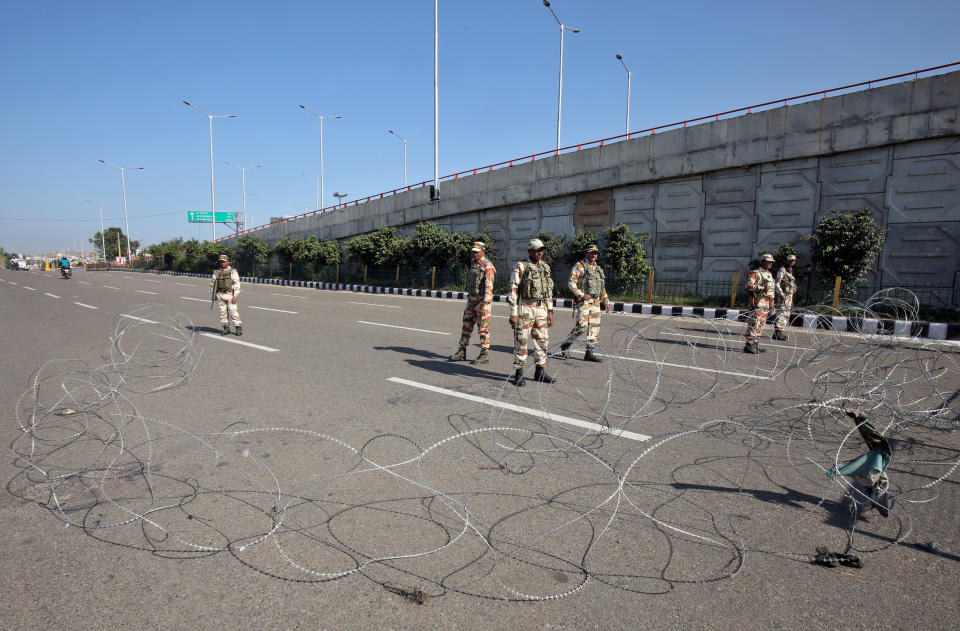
x=141, y=291
x=197, y=299
x=30, y=288
x=701, y=336
x=51, y=295
x=124, y=315
x=686, y=366
x=371, y=304
x=11, y=282
x=287, y=295
x=83, y=305
x=111, y=287
x=151, y=281
x=83, y=281
x=269, y=309
x=224, y=338
x=394, y=326
x=593, y=427
x=188, y=284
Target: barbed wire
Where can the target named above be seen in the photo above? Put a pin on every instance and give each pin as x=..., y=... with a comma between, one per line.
x=513, y=504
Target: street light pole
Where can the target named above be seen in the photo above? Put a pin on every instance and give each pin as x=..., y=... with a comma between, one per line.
x=627, y=132
x=322, y=197
x=563, y=28
x=243, y=187
x=213, y=197
x=103, y=244
x=123, y=185
x=404, y=155
x=436, y=101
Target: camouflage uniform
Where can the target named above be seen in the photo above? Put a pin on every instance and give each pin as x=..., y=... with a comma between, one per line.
x=761, y=286
x=227, y=283
x=587, y=278
x=479, y=302
x=531, y=299
x=786, y=286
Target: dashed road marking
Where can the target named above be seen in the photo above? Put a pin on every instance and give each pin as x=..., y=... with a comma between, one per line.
x=269, y=309
x=147, y=280
x=124, y=315
x=224, y=338
x=51, y=295
x=111, y=287
x=196, y=299
x=394, y=326
x=188, y=284
x=593, y=427
x=370, y=304
x=141, y=291
x=287, y=295
x=83, y=281
x=83, y=305
x=30, y=288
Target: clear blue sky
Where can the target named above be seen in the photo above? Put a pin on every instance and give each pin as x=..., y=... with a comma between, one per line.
x=105, y=80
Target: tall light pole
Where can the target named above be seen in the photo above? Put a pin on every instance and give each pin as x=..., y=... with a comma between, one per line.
x=627, y=132
x=436, y=102
x=243, y=187
x=563, y=28
x=404, y=154
x=103, y=244
x=322, y=197
x=123, y=185
x=213, y=197
x=317, y=180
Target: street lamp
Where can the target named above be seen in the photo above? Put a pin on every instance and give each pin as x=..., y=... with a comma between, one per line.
x=404, y=154
x=340, y=196
x=563, y=28
x=322, y=198
x=317, y=181
x=103, y=244
x=213, y=203
x=123, y=185
x=435, y=193
x=243, y=186
x=628, y=95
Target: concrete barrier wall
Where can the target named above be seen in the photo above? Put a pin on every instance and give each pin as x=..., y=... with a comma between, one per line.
x=710, y=195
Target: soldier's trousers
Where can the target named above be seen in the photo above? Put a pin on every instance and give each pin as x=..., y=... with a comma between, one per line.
x=784, y=305
x=587, y=315
x=531, y=322
x=224, y=305
x=757, y=319
x=476, y=313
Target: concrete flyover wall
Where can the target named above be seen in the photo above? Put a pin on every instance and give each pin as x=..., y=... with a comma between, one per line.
x=710, y=195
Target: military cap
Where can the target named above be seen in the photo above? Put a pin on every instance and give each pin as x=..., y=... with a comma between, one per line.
x=535, y=244
x=223, y=257
x=767, y=257
x=478, y=246
x=591, y=248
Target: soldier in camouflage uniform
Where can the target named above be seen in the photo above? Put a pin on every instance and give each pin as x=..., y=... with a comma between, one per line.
x=760, y=285
x=225, y=285
x=531, y=311
x=588, y=284
x=479, y=303
x=786, y=286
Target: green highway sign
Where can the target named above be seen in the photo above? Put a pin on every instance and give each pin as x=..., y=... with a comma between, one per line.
x=205, y=216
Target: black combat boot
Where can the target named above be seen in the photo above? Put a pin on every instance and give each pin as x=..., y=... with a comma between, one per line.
x=565, y=350
x=226, y=329
x=518, y=379
x=541, y=375
x=238, y=330
x=482, y=358
x=753, y=348
x=590, y=357
x=779, y=335
x=459, y=356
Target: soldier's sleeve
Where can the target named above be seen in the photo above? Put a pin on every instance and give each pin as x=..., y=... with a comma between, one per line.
x=514, y=285
x=235, y=277
x=752, y=282
x=550, y=285
x=604, y=299
x=574, y=278
x=489, y=273
x=777, y=287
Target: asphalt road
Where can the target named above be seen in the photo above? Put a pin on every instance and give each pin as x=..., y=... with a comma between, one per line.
x=330, y=467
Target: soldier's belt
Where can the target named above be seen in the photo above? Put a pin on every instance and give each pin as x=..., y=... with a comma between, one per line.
x=537, y=303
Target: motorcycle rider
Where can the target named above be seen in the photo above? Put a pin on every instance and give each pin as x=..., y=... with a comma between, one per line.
x=65, y=267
